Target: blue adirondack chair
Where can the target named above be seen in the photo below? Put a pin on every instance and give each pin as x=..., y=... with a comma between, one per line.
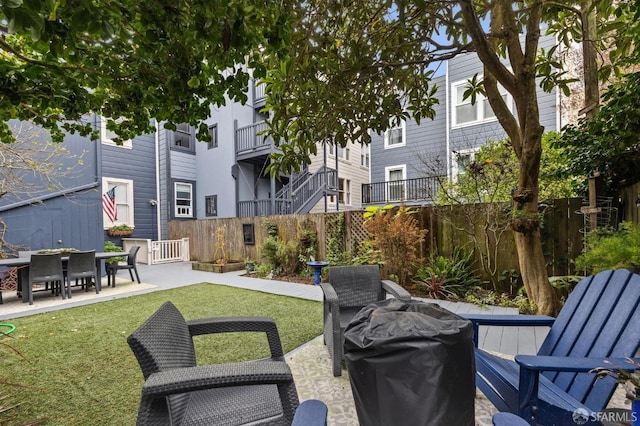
x=600, y=319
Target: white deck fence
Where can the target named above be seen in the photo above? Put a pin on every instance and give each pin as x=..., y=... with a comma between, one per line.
x=155, y=252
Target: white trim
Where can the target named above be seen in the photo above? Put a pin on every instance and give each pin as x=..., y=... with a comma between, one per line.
x=455, y=171
x=387, y=178
x=107, y=141
x=128, y=184
x=403, y=126
x=478, y=106
x=175, y=200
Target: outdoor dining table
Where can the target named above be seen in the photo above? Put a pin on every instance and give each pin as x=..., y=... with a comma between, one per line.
x=23, y=273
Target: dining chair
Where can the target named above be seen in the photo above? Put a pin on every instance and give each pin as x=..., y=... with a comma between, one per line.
x=112, y=268
x=46, y=267
x=82, y=266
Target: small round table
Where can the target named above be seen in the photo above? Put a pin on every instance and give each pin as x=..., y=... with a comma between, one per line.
x=317, y=266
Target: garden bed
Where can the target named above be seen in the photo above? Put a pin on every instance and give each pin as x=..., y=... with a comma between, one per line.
x=233, y=265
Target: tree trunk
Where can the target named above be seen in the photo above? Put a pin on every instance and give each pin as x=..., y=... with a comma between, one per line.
x=533, y=270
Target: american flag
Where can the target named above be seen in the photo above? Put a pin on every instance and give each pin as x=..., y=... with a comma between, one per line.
x=109, y=204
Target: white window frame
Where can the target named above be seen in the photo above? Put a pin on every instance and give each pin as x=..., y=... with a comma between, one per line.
x=176, y=208
x=364, y=155
x=478, y=106
x=104, y=135
x=387, y=178
x=128, y=184
x=344, y=153
x=403, y=126
x=455, y=165
x=345, y=192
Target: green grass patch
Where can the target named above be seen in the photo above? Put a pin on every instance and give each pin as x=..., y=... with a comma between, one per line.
x=79, y=369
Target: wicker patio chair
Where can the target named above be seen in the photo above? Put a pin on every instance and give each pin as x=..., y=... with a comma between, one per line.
x=113, y=267
x=350, y=288
x=82, y=266
x=177, y=392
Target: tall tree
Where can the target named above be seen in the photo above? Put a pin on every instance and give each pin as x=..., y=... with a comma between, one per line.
x=353, y=66
x=162, y=59
x=343, y=67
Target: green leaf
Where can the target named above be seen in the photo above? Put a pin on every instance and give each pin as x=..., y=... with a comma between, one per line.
x=194, y=82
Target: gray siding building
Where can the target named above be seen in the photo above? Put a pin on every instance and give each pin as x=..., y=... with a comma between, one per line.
x=406, y=160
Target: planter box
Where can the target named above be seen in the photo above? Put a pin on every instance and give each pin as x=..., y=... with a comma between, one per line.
x=214, y=267
x=119, y=233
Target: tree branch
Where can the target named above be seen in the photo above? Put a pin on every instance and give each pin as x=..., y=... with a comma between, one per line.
x=484, y=50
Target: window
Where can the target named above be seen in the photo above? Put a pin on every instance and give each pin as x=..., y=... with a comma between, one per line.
x=395, y=177
x=364, y=155
x=123, y=194
x=211, y=205
x=461, y=161
x=396, y=135
x=107, y=136
x=183, y=199
x=183, y=138
x=344, y=191
x=344, y=153
x=213, y=137
x=464, y=112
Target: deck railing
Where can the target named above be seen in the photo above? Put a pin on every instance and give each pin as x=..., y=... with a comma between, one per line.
x=406, y=190
x=263, y=207
x=250, y=137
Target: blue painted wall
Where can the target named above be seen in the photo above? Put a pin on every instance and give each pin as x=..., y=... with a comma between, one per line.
x=67, y=216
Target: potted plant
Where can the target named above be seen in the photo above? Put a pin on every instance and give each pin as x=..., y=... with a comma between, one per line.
x=64, y=252
x=120, y=231
x=250, y=264
x=628, y=377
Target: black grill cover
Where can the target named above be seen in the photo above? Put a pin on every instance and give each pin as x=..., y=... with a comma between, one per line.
x=411, y=364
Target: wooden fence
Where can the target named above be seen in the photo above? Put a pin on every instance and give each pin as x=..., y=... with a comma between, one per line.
x=445, y=228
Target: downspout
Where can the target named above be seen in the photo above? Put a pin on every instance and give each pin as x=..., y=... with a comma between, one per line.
x=337, y=183
x=447, y=120
x=157, y=143
x=324, y=164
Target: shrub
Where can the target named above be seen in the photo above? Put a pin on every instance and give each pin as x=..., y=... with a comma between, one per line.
x=488, y=297
x=452, y=272
x=281, y=254
x=611, y=249
x=397, y=235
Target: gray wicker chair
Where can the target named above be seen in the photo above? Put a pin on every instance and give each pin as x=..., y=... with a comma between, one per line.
x=82, y=266
x=349, y=289
x=177, y=392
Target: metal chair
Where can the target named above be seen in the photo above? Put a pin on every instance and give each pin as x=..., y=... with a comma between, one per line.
x=82, y=266
x=177, y=391
x=112, y=268
x=350, y=288
x=46, y=268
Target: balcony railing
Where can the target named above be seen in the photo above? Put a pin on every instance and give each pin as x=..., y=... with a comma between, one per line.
x=259, y=94
x=263, y=208
x=250, y=137
x=397, y=191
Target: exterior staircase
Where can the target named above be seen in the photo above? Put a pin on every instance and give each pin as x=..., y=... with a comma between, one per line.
x=305, y=189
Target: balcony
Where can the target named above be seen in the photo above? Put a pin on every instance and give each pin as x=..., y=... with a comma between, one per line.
x=250, y=142
x=259, y=95
x=407, y=191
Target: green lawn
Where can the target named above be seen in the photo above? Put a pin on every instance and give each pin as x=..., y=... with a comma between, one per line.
x=79, y=369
